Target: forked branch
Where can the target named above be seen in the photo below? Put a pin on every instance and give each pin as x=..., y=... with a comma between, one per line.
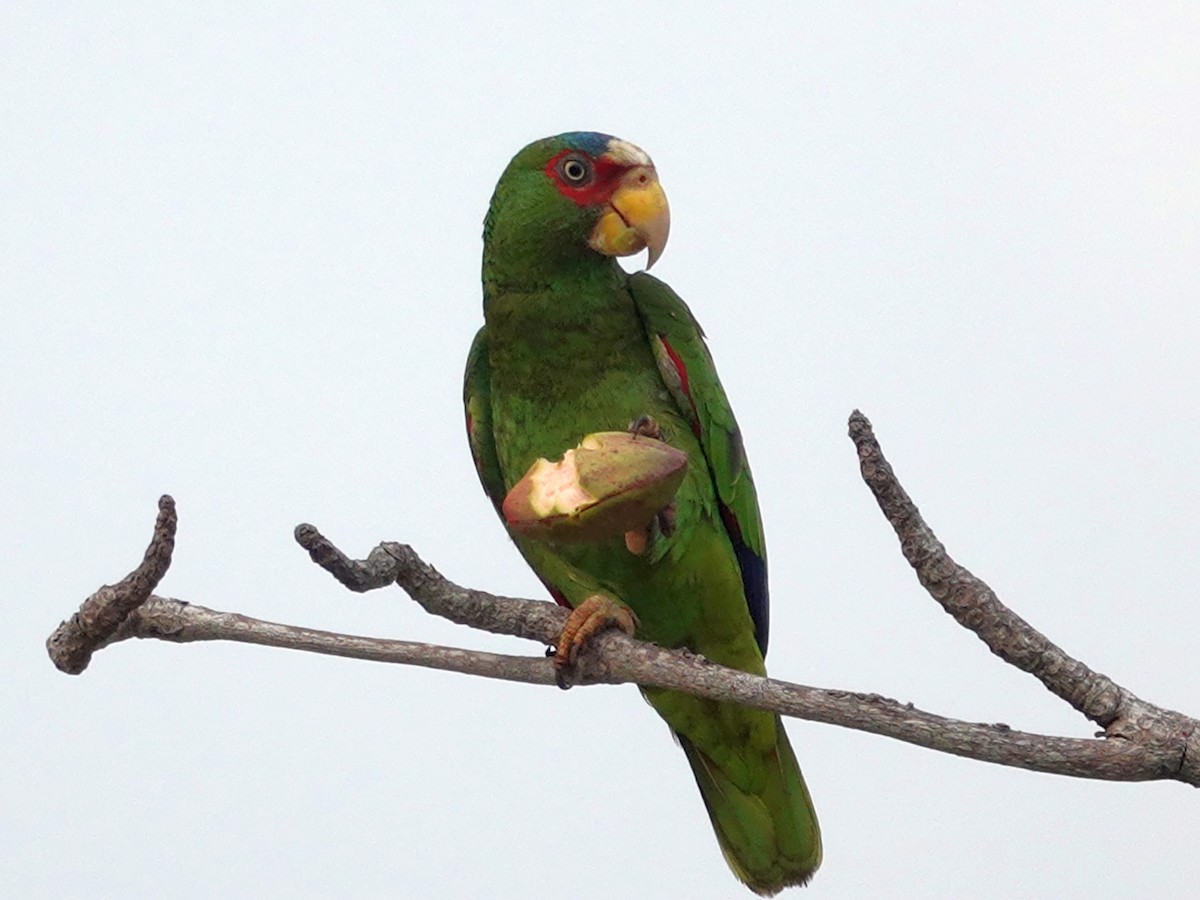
x=1140, y=741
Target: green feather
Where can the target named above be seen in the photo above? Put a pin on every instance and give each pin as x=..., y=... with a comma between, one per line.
x=569, y=348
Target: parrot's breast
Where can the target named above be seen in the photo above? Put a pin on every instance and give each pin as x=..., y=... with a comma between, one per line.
x=565, y=364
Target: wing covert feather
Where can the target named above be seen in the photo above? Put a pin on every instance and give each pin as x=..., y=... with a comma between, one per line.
x=687, y=370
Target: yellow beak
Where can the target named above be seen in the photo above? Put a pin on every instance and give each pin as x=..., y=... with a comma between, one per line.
x=637, y=217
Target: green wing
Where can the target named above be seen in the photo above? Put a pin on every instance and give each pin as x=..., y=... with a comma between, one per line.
x=687, y=369
x=477, y=400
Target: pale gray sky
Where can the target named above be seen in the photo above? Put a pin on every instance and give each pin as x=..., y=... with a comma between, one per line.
x=239, y=253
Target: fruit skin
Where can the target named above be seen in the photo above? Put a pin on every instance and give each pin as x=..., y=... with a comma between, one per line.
x=613, y=482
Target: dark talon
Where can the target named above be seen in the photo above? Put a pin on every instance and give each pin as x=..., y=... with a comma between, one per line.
x=666, y=520
x=560, y=672
x=646, y=426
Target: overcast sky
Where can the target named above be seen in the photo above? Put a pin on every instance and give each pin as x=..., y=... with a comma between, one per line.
x=239, y=255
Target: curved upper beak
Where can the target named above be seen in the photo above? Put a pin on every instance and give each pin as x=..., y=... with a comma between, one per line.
x=637, y=217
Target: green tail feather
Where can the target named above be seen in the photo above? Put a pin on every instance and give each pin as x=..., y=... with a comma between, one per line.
x=770, y=838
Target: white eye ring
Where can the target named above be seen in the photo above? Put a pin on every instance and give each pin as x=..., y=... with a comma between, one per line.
x=575, y=171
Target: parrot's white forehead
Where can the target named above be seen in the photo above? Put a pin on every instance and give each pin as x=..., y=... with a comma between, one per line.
x=624, y=153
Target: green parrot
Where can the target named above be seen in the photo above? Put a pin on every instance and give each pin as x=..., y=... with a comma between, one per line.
x=573, y=345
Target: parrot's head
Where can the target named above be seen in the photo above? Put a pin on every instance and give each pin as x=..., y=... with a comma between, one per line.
x=574, y=196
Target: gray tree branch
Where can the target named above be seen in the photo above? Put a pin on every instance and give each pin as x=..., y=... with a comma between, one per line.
x=1140, y=742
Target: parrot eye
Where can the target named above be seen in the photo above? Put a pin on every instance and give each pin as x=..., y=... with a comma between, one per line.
x=575, y=170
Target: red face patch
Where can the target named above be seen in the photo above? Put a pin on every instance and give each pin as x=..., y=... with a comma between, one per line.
x=587, y=181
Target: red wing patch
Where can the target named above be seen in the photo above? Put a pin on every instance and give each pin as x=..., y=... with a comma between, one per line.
x=679, y=367
x=675, y=374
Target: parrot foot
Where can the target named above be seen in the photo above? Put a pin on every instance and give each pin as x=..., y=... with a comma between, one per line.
x=588, y=619
x=646, y=426
x=637, y=540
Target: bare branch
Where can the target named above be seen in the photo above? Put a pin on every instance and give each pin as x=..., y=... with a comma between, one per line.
x=970, y=601
x=1141, y=741
x=393, y=563
x=975, y=606
x=174, y=620
x=73, y=642
x=618, y=659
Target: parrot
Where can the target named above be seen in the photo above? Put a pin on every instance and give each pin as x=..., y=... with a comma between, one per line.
x=573, y=344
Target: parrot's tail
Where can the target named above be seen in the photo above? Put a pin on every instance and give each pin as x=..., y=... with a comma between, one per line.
x=769, y=836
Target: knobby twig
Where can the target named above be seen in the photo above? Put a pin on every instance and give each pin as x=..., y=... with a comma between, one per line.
x=72, y=644
x=976, y=607
x=1140, y=741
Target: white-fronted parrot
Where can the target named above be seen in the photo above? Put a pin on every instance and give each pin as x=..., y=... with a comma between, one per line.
x=572, y=345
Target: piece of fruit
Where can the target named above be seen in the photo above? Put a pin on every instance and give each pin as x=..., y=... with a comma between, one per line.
x=613, y=482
